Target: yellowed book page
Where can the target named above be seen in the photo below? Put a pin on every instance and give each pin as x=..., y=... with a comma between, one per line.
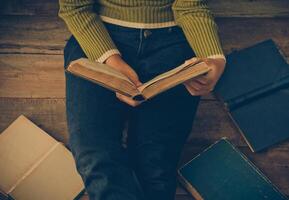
x=103, y=68
x=54, y=178
x=172, y=81
x=21, y=145
x=166, y=75
x=110, y=82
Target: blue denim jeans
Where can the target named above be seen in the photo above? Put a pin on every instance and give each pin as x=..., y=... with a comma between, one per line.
x=156, y=130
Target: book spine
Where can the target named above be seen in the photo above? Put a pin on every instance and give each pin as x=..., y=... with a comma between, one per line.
x=139, y=97
x=260, y=92
x=189, y=187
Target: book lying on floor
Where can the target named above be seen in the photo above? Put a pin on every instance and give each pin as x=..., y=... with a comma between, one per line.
x=255, y=91
x=222, y=172
x=110, y=78
x=35, y=166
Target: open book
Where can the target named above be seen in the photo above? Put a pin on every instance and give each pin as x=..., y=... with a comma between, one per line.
x=112, y=79
x=34, y=166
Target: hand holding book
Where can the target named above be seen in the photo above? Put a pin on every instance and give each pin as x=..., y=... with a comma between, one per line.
x=204, y=84
x=120, y=65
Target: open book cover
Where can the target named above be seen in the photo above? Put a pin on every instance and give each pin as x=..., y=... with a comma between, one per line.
x=222, y=172
x=110, y=78
x=255, y=91
x=35, y=166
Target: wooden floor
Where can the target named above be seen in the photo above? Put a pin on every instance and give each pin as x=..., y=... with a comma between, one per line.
x=32, y=78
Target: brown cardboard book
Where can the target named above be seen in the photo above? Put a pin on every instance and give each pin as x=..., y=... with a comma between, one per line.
x=110, y=78
x=35, y=166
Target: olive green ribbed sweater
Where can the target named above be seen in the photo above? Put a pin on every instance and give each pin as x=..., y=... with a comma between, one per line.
x=84, y=20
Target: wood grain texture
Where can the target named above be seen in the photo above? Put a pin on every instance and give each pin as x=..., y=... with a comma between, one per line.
x=32, y=35
x=31, y=76
x=220, y=8
x=48, y=114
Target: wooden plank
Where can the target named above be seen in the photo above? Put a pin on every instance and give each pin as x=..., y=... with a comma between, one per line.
x=249, y=8
x=48, y=114
x=31, y=76
x=32, y=35
x=220, y=8
x=239, y=33
x=29, y=7
x=36, y=46
x=211, y=123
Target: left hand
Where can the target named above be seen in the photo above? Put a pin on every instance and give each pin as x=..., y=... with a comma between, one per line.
x=116, y=62
x=204, y=84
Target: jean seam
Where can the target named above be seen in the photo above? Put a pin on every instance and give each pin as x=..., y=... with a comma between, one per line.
x=140, y=42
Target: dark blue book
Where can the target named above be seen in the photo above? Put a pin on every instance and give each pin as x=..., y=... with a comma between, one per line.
x=255, y=91
x=222, y=172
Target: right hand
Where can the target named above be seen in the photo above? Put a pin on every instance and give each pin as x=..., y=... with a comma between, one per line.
x=116, y=62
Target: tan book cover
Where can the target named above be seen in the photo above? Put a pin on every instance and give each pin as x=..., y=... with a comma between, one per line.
x=35, y=166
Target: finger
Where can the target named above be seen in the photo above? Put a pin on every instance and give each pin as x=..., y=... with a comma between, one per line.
x=191, y=90
x=198, y=92
x=196, y=85
x=195, y=92
x=134, y=78
x=132, y=75
x=203, y=80
x=127, y=100
x=202, y=92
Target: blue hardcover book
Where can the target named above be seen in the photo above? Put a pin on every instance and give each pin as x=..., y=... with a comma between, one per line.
x=255, y=91
x=222, y=172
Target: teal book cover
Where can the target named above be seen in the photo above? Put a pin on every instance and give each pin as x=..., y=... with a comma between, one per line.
x=255, y=91
x=222, y=172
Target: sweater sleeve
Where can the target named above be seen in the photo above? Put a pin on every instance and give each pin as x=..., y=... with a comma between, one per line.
x=199, y=27
x=87, y=28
